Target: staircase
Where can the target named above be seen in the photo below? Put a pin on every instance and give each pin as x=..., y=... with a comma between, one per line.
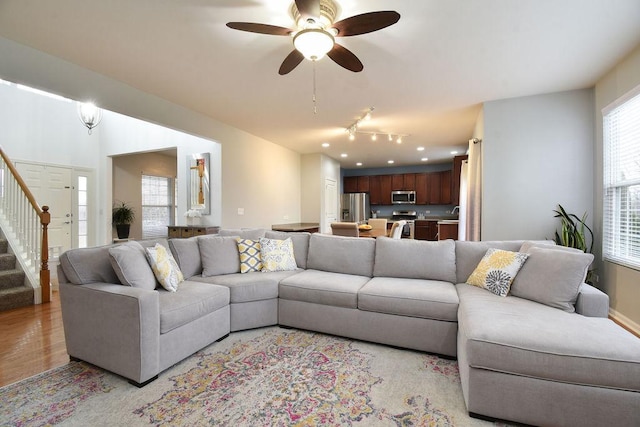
x=13, y=292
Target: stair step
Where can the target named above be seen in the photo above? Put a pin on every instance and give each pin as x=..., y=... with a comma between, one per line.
x=7, y=261
x=21, y=296
x=11, y=279
x=4, y=245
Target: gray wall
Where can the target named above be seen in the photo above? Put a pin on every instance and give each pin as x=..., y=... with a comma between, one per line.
x=537, y=153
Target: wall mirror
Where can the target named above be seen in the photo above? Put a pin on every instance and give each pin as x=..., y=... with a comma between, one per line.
x=198, y=193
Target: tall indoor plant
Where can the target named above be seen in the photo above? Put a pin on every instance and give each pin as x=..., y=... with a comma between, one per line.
x=575, y=233
x=122, y=216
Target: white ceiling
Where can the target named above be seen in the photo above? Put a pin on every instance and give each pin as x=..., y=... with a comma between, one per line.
x=426, y=76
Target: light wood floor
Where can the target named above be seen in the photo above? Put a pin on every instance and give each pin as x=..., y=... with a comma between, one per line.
x=31, y=341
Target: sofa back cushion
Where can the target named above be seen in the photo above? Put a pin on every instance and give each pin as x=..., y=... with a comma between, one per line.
x=88, y=265
x=300, y=244
x=415, y=259
x=347, y=255
x=469, y=254
x=186, y=252
x=131, y=266
x=219, y=255
x=244, y=233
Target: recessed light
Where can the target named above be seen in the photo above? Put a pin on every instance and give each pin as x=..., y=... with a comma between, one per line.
x=343, y=155
x=399, y=140
x=359, y=164
x=424, y=159
x=390, y=162
x=454, y=152
x=325, y=144
x=420, y=148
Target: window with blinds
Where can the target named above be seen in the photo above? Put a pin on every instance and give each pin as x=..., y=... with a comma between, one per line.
x=621, y=191
x=157, y=206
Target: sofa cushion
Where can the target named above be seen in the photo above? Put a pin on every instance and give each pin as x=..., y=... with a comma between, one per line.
x=254, y=286
x=300, y=244
x=164, y=267
x=337, y=254
x=88, y=265
x=187, y=254
x=131, y=266
x=525, y=338
x=415, y=259
x=219, y=255
x=552, y=277
x=190, y=302
x=323, y=287
x=496, y=270
x=250, y=257
x=244, y=233
x=429, y=299
x=277, y=255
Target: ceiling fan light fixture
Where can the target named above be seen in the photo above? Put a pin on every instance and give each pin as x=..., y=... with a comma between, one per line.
x=313, y=43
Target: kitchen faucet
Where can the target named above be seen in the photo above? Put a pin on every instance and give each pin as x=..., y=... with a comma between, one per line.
x=453, y=211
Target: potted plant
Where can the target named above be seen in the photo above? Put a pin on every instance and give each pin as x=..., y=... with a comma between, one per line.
x=573, y=234
x=122, y=217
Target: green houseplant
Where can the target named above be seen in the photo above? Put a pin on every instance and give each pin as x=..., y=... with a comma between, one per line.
x=575, y=233
x=121, y=217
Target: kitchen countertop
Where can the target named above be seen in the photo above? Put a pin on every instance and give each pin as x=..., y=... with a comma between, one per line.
x=297, y=227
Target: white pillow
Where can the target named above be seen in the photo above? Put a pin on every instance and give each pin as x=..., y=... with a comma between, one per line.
x=277, y=255
x=164, y=267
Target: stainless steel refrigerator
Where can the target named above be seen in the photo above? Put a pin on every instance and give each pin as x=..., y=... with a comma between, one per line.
x=354, y=207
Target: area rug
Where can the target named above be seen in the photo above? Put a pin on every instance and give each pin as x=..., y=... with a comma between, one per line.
x=264, y=377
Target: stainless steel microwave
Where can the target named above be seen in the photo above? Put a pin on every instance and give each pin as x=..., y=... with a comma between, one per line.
x=403, y=197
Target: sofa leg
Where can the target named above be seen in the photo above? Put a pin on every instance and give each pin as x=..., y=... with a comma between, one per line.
x=74, y=359
x=221, y=338
x=140, y=385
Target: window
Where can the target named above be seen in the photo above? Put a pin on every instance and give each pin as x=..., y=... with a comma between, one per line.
x=621, y=191
x=157, y=205
x=83, y=212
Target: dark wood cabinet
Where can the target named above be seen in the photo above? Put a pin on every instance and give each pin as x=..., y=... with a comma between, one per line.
x=422, y=193
x=426, y=230
x=397, y=182
x=181, y=231
x=439, y=188
x=409, y=181
x=350, y=184
x=447, y=231
x=363, y=184
x=445, y=188
x=374, y=190
x=455, y=179
x=385, y=189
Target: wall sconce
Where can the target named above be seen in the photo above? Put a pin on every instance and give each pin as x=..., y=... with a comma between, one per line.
x=89, y=114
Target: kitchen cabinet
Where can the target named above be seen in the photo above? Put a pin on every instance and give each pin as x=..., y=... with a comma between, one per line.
x=426, y=230
x=375, y=196
x=385, y=189
x=422, y=194
x=409, y=181
x=397, y=182
x=350, y=184
x=455, y=179
x=439, y=188
x=448, y=231
x=363, y=184
x=445, y=188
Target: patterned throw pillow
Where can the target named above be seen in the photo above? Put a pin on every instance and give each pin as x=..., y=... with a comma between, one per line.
x=164, y=267
x=250, y=257
x=496, y=271
x=277, y=255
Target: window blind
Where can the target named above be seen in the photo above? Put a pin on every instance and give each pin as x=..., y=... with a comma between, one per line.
x=157, y=206
x=621, y=186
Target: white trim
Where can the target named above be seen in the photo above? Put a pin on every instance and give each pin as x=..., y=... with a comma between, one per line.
x=621, y=100
x=624, y=320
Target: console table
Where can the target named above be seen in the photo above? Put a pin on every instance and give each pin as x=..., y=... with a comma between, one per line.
x=182, y=231
x=309, y=227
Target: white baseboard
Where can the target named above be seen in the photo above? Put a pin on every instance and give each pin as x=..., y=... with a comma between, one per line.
x=624, y=320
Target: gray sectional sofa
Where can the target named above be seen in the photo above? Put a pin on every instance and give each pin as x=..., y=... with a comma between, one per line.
x=519, y=359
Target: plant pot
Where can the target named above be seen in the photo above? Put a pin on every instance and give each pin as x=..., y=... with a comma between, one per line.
x=123, y=230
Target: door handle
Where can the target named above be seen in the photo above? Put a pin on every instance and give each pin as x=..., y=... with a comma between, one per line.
x=67, y=222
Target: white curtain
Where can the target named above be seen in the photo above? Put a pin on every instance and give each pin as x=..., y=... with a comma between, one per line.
x=474, y=193
x=462, y=213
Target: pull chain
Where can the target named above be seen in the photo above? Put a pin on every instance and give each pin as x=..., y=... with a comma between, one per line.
x=315, y=104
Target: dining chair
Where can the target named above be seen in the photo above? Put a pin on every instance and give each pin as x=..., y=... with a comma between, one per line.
x=396, y=229
x=377, y=223
x=345, y=229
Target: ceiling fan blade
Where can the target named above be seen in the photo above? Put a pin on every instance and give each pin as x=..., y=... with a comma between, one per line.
x=345, y=58
x=259, y=28
x=290, y=62
x=308, y=8
x=366, y=23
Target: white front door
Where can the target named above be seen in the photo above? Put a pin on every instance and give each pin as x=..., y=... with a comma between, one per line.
x=330, y=205
x=51, y=186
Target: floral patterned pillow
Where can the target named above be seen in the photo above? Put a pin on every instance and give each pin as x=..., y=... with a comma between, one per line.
x=164, y=267
x=277, y=255
x=496, y=271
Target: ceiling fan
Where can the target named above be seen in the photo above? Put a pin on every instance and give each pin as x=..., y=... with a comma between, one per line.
x=316, y=31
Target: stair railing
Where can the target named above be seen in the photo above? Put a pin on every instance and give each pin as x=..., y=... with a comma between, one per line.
x=27, y=223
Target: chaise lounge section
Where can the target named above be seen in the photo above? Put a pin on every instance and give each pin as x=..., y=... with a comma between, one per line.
x=548, y=356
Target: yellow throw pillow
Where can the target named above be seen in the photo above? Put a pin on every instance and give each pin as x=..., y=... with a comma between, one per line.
x=164, y=267
x=250, y=258
x=277, y=255
x=496, y=271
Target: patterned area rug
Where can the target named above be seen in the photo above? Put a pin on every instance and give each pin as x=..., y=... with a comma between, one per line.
x=264, y=377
